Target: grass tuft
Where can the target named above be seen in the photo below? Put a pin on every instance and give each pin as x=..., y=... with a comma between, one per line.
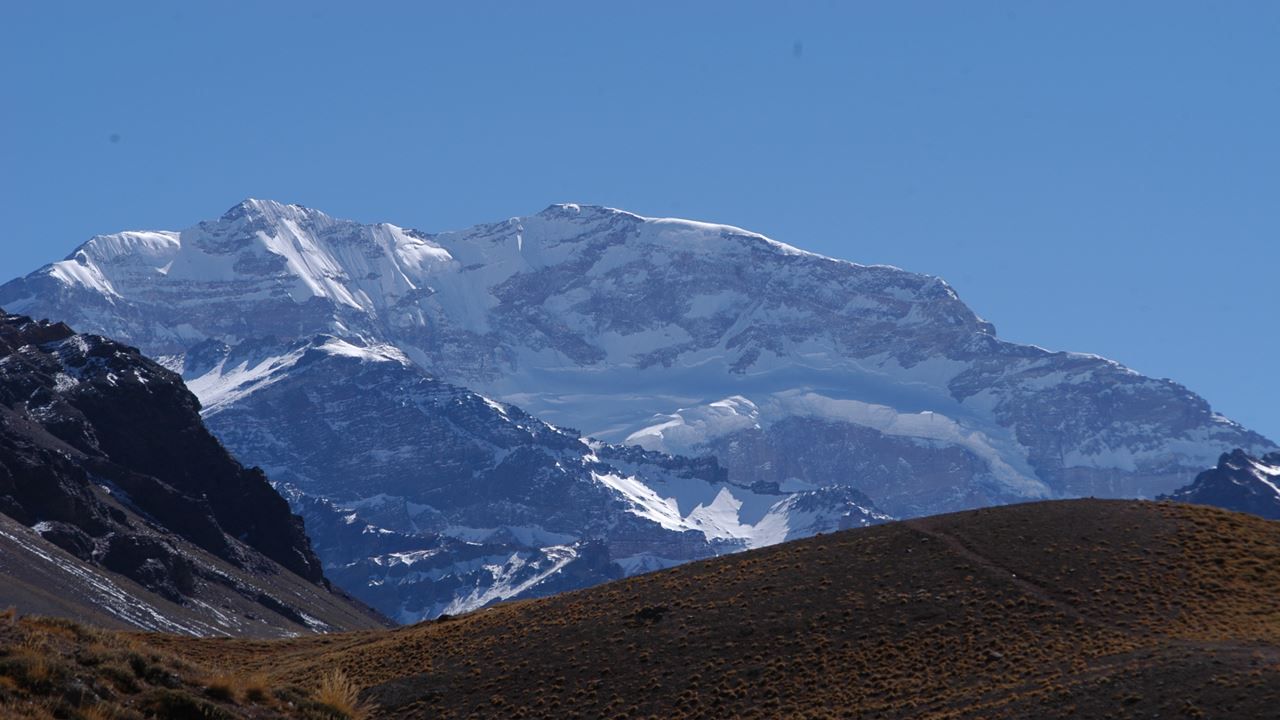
x=337, y=692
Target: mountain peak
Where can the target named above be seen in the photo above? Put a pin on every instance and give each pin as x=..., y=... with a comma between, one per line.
x=577, y=211
x=1240, y=482
x=270, y=211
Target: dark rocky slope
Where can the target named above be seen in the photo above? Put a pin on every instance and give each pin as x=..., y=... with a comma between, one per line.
x=1240, y=482
x=104, y=457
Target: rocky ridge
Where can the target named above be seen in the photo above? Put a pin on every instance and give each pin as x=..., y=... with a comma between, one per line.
x=1239, y=482
x=108, y=476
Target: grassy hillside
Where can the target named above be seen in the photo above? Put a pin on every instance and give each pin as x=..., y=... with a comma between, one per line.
x=1066, y=609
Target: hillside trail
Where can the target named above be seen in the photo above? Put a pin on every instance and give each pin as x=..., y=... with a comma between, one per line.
x=1154, y=645
x=925, y=526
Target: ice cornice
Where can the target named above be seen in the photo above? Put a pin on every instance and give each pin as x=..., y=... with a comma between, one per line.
x=588, y=212
x=273, y=211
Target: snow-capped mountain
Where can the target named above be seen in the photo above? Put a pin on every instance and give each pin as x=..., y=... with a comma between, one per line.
x=656, y=330
x=335, y=353
x=1240, y=482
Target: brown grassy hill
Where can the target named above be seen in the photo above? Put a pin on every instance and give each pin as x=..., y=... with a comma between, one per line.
x=1065, y=609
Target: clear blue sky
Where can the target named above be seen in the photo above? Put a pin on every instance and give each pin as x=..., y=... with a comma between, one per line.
x=1094, y=176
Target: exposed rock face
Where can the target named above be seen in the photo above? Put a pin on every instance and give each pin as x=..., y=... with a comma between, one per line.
x=136, y=425
x=413, y=576
x=1240, y=482
x=425, y=498
x=910, y=476
x=104, y=455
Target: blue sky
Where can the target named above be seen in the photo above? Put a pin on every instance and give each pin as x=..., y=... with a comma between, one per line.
x=1094, y=176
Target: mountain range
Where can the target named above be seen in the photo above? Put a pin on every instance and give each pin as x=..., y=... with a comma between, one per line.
x=557, y=399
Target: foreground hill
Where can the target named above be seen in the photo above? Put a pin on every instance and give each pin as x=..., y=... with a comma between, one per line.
x=118, y=506
x=1064, y=609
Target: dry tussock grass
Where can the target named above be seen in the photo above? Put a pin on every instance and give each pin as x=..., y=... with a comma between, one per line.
x=54, y=668
x=337, y=692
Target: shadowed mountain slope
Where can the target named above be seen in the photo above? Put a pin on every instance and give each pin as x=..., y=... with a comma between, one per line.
x=117, y=505
x=1240, y=482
